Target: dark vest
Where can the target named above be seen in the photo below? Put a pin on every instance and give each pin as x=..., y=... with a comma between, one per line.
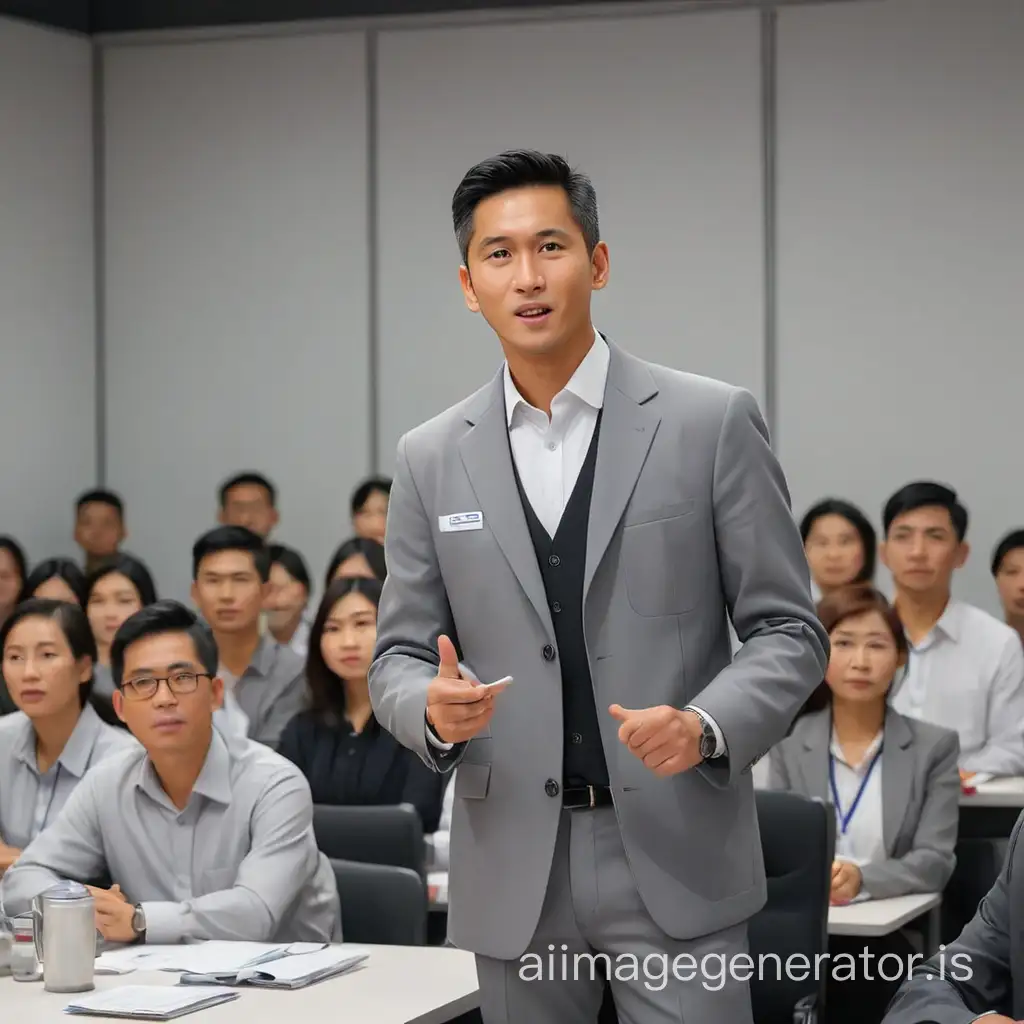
x=562, y=562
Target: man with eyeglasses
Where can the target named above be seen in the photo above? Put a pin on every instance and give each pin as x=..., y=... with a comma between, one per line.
x=202, y=836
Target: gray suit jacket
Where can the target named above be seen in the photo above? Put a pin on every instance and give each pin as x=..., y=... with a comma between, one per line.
x=689, y=522
x=983, y=970
x=920, y=796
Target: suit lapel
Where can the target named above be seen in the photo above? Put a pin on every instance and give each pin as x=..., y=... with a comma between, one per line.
x=487, y=458
x=628, y=427
x=813, y=755
x=897, y=778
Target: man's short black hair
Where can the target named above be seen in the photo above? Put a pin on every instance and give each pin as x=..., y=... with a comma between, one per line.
x=100, y=496
x=252, y=478
x=292, y=562
x=522, y=168
x=370, y=485
x=926, y=494
x=1011, y=542
x=232, y=538
x=163, y=617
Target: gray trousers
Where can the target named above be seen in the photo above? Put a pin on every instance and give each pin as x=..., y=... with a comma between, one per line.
x=592, y=907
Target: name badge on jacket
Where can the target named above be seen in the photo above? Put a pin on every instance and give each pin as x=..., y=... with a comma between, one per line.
x=459, y=521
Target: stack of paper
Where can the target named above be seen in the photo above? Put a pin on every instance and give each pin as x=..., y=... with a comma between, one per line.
x=293, y=971
x=149, y=1002
x=216, y=958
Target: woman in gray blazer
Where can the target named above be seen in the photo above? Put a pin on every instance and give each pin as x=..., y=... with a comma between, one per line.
x=893, y=781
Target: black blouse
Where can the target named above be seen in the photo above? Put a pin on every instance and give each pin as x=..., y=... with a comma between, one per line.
x=368, y=767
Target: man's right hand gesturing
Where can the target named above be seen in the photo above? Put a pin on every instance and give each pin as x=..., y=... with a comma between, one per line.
x=457, y=708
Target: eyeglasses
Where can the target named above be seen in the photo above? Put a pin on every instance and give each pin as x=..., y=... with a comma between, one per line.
x=177, y=682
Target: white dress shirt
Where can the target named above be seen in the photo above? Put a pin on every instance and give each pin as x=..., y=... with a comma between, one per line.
x=549, y=452
x=862, y=842
x=968, y=675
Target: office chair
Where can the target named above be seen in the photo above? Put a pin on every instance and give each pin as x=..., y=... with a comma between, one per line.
x=798, y=843
x=390, y=835
x=381, y=903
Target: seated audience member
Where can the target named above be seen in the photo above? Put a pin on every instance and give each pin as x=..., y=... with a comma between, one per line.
x=13, y=570
x=99, y=526
x=840, y=546
x=57, y=579
x=357, y=557
x=1008, y=570
x=203, y=838
x=370, y=508
x=56, y=736
x=346, y=756
x=893, y=782
x=965, y=670
x=286, y=606
x=114, y=591
x=249, y=500
x=231, y=567
x=979, y=976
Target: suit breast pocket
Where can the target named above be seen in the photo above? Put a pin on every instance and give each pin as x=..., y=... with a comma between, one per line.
x=662, y=559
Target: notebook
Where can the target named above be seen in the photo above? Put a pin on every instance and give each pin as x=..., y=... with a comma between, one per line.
x=290, y=972
x=149, y=1002
x=215, y=958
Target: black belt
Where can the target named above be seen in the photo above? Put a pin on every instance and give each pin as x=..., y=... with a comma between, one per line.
x=576, y=798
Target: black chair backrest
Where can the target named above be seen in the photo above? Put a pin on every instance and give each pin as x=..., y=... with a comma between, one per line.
x=372, y=835
x=798, y=842
x=381, y=904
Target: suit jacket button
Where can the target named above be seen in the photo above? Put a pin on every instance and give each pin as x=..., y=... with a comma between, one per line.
x=551, y=788
x=548, y=652
x=554, y=560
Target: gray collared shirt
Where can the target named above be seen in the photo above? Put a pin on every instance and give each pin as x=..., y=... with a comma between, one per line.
x=239, y=862
x=271, y=691
x=31, y=800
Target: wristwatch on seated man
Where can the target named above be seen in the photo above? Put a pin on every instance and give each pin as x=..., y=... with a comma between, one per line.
x=139, y=923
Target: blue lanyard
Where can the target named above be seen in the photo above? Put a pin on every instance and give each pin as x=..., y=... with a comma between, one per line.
x=845, y=819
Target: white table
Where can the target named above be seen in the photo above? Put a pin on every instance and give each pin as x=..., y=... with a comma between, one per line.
x=875, y=918
x=1005, y=792
x=397, y=985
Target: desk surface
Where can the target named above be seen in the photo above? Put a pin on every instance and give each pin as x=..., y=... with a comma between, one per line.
x=874, y=918
x=397, y=985
x=1006, y=792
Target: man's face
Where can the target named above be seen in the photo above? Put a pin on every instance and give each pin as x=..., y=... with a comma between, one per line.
x=229, y=592
x=1010, y=580
x=528, y=271
x=286, y=597
x=98, y=529
x=921, y=550
x=249, y=505
x=165, y=720
x=371, y=520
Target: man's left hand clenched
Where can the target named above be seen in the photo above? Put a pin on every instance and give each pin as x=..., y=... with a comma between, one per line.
x=666, y=739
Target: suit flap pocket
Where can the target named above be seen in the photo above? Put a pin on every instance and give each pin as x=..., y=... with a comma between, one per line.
x=472, y=781
x=639, y=516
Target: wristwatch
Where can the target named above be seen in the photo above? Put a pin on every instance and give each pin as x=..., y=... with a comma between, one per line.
x=139, y=923
x=708, y=743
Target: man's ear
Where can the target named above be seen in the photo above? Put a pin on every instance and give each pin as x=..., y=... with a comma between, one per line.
x=468, y=291
x=963, y=554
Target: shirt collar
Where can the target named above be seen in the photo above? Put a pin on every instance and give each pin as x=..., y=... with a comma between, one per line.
x=75, y=756
x=862, y=766
x=950, y=621
x=587, y=383
x=214, y=781
x=263, y=658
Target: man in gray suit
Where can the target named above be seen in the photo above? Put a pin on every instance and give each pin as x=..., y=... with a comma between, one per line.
x=587, y=523
x=980, y=976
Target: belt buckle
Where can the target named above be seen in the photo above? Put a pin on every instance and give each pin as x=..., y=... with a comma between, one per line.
x=593, y=801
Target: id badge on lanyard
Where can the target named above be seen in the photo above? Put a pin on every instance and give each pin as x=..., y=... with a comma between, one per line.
x=845, y=819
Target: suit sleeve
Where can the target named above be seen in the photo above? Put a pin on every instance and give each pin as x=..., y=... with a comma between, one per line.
x=766, y=584
x=927, y=866
x=414, y=611
x=972, y=975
